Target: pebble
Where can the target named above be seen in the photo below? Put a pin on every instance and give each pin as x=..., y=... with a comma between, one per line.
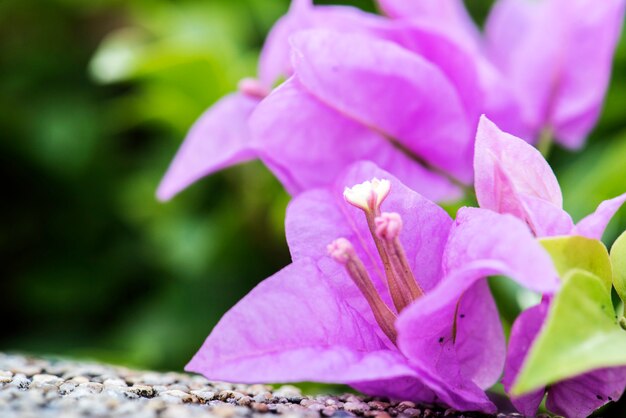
x=34, y=388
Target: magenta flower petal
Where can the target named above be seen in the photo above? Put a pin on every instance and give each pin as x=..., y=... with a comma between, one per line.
x=389, y=89
x=580, y=396
x=450, y=16
x=477, y=235
x=275, y=59
x=316, y=218
x=525, y=329
x=557, y=55
x=439, y=334
x=513, y=177
x=593, y=225
x=308, y=144
x=220, y=138
x=294, y=327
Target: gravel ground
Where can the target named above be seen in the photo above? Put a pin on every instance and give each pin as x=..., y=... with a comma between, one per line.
x=38, y=388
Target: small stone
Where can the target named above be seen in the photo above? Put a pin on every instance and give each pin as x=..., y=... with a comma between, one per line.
x=66, y=388
x=144, y=391
x=405, y=405
x=79, y=380
x=114, y=382
x=20, y=381
x=244, y=401
x=412, y=412
x=329, y=411
x=203, y=395
x=229, y=394
x=378, y=405
x=356, y=407
x=45, y=379
x=224, y=411
x=6, y=376
x=175, y=396
x=260, y=407
x=262, y=397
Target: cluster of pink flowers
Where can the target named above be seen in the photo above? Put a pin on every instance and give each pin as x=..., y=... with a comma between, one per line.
x=367, y=120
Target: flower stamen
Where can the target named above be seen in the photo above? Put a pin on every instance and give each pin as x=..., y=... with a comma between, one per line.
x=388, y=227
x=342, y=251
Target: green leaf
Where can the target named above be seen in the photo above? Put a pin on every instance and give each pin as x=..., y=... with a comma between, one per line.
x=618, y=259
x=580, y=334
x=576, y=252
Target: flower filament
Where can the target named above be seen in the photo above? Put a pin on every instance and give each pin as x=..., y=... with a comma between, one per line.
x=385, y=229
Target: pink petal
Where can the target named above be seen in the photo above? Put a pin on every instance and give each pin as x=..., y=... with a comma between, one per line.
x=557, y=55
x=318, y=217
x=391, y=90
x=307, y=144
x=450, y=15
x=525, y=329
x=593, y=225
x=511, y=175
x=470, y=359
x=580, y=396
x=294, y=327
x=220, y=138
x=275, y=59
x=483, y=235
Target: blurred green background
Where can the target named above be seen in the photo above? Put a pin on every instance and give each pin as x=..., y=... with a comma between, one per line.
x=95, y=97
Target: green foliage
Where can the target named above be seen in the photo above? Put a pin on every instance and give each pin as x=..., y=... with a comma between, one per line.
x=576, y=252
x=581, y=333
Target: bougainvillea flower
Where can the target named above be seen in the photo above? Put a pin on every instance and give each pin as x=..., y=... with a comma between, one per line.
x=365, y=87
x=450, y=16
x=576, y=397
x=385, y=293
x=557, y=55
x=355, y=97
x=513, y=177
x=221, y=137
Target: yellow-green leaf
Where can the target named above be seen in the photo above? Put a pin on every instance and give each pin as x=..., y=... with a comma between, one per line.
x=581, y=334
x=576, y=252
x=618, y=259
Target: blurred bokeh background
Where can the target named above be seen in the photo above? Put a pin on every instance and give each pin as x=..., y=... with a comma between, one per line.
x=95, y=97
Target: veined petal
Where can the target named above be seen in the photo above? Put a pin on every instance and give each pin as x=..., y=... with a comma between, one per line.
x=580, y=396
x=509, y=173
x=318, y=217
x=483, y=235
x=544, y=218
x=459, y=63
x=449, y=15
x=594, y=29
x=524, y=331
x=557, y=55
x=220, y=138
x=294, y=327
x=275, y=58
x=593, y=225
x=308, y=144
x=454, y=332
x=391, y=90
